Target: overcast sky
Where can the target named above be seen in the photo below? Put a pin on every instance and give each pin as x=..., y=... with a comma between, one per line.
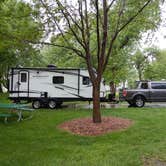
x=159, y=38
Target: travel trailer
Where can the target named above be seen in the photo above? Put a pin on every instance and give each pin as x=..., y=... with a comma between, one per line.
x=50, y=86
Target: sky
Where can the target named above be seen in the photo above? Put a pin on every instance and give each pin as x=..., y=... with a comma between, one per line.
x=159, y=38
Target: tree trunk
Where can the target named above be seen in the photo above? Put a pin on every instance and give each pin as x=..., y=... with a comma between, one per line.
x=140, y=74
x=96, y=104
x=1, y=90
x=112, y=90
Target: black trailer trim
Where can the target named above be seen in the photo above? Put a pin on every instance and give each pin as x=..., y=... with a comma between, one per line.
x=12, y=80
x=45, y=68
x=56, y=99
x=7, y=79
x=27, y=71
x=79, y=82
x=59, y=88
x=18, y=82
x=28, y=82
x=26, y=92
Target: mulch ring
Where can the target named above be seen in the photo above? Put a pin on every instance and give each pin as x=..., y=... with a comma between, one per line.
x=86, y=127
x=153, y=161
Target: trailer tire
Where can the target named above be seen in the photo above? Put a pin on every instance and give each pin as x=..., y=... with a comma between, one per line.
x=52, y=104
x=36, y=104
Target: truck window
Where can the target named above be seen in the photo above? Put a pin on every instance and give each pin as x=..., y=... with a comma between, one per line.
x=58, y=80
x=158, y=85
x=144, y=85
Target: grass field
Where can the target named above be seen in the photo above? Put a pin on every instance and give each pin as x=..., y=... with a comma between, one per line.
x=38, y=141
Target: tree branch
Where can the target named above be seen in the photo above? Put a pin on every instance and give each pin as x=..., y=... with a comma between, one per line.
x=87, y=24
x=120, y=29
x=62, y=9
x=52, y=16
x=97, y=29
x=80, y=10
x=110, y=5
x=134, y=16
x=78, y=52
x=104, y=38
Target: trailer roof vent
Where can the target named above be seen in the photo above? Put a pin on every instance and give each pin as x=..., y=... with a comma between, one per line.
x=51, y=66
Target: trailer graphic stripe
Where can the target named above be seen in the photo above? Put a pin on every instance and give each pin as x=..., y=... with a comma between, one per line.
x=69, y=87
x=70, y=93
x=59, y=88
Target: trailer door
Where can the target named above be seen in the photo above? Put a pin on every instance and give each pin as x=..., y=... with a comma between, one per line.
x=23, y=84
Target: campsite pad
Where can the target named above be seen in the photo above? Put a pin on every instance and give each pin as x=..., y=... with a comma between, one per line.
x=108, y=105
x=85, y=105
x=85, y=126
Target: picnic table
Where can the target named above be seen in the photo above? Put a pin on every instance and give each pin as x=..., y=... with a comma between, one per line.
x=16, y=110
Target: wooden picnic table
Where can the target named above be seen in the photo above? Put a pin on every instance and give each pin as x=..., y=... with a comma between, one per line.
x=15, y=110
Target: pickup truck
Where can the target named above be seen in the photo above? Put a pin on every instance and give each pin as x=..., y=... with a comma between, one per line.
x=146, y=91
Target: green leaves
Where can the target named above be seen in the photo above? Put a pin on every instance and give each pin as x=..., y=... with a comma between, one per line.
x=18, y=29
x=156, y=69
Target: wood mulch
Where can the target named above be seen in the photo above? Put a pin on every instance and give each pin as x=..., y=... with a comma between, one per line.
x=86, y=127
x=153, y=162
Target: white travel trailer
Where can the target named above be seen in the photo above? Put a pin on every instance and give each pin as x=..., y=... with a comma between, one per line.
x=50, y=86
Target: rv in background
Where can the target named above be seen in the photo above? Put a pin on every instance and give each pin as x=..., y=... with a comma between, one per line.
x=50, y=86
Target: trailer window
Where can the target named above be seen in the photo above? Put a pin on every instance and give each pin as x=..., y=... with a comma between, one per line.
x=23, y=77
x=58, y=80
x=85, y=81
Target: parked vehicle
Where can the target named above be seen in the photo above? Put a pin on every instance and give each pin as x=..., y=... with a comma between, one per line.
x=51, y=86
x=146, y=91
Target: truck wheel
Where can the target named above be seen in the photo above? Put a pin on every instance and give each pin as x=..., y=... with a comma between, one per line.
x=52, y=104
x=139, y=101
x=36, y=104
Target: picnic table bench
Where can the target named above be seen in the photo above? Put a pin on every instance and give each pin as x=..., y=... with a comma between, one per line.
x=16, y=111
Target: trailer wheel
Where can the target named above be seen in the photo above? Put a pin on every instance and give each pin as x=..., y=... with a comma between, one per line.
x=36, y=104
x=52, y=104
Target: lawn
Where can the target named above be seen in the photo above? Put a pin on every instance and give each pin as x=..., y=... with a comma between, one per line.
x=39, y=142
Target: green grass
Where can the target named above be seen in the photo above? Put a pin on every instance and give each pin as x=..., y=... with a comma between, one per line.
x=39, y=142
x=4, y=98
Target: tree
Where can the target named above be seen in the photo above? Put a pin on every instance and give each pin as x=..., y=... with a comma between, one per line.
x=140, y=61
x=18, y=25
x=156, y=68
x=127, y=42
x=61, y=57
x=77, y=19
x=118, y=67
